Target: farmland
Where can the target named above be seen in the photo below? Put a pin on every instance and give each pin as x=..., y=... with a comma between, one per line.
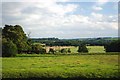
x=40, y=42
x=96, y=49
x=60, y=66
x=91, y=49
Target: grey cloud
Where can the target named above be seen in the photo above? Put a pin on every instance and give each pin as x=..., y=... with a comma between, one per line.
x=47, y=24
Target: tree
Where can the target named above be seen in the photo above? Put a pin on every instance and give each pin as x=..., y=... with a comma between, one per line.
x=16, y=35
x=8, y=48
x=51, y=50
x=69, y=51
x=63, y=50
x=37, y=48
x=82, y=48
x=79, y=49
x=114, y=46
x=42, y=50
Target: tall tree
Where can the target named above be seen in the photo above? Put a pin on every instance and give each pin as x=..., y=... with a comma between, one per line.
x=16, y=35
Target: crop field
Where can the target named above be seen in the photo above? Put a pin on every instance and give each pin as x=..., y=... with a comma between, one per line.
x=72, y=48
x=60, y=66
x=91, y=49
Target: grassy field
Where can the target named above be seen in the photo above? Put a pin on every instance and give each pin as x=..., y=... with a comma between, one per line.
x=96, y=49
x=60, y=66
x=91, y=49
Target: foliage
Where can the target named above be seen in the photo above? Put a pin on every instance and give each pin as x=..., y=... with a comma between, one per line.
x=8, y=48
x=37, y=48
x=57, y=42
x=16, y=35
x=114, y=46
x=51, y=51
x=82, y=48
x=69, y=51
x=74, y=42
x=64, y=50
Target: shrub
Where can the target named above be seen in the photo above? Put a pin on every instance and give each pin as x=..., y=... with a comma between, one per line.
x=114, y=46
x=37, y=48
x=42, y=50
x=82, y=48
x=51, y=50
x=9, y=49
x=63, y=51
x=69, y=51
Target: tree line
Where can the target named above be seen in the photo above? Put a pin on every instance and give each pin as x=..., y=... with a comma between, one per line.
x=74, y=42
x=14, y=40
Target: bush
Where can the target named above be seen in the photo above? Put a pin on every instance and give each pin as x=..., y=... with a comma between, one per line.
x=69, y=51
x=82, y=48
x=42, y=50
x=63, y=51
x=9, y=49
x=51, y=50
x=37, y=48
x=114, y=46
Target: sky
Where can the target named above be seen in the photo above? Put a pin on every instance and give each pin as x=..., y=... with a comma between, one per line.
x=63, y=19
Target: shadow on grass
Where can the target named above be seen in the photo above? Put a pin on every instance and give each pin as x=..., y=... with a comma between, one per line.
x=63, y=54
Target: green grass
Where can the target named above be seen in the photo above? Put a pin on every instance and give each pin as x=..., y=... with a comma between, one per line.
x=96, y=49
x=60, y=66
x=91, y=49
x=74, y=49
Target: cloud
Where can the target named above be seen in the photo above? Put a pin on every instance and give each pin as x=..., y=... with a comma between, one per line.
x=97, y=16
x=97, y=8
x=62, y=10
x=53, y=20
x=102, y=2
x=58, y=0
x=36, y=11
x=34, y=0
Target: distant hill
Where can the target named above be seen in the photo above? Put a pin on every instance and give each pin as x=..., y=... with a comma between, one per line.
x=74, y=42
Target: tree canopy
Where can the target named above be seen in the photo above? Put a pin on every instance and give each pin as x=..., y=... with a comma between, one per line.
x=14, y=36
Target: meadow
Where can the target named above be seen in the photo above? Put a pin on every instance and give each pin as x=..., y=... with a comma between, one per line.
x=61, y=66
x=96, y=49
x=73, y=49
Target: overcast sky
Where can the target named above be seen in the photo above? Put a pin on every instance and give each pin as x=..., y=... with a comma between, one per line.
x=63, y=19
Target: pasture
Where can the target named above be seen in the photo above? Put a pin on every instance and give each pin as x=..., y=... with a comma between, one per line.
x=91, y=49
x=60, y=66
x=96, y=49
